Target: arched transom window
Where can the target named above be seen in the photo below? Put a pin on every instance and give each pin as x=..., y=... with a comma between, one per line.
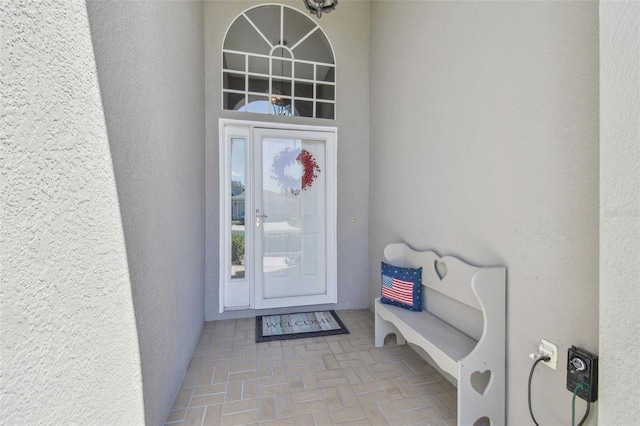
x=276, y=60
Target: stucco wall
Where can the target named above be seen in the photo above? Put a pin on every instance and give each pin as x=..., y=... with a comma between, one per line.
x=150, y=66
x=348, y=31
x=484, y=144
x=619, y=211
x=69, y=346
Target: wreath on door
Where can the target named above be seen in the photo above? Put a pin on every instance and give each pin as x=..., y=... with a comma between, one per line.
x=286, y=158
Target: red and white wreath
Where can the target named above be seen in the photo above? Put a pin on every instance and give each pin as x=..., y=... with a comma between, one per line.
x=286, y=158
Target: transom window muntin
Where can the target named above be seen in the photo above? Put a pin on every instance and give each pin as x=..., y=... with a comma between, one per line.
x=276, y=60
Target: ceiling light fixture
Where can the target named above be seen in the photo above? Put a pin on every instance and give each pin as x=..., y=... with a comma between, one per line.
x=317, y=7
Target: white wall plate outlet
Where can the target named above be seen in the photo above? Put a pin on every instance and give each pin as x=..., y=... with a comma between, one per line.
x=547, y=348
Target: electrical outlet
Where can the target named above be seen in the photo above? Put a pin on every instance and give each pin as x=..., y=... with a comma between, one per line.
x=546, y=348
x=582, y=368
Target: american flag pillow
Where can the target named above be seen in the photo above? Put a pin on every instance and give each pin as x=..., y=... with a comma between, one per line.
x=402, y=287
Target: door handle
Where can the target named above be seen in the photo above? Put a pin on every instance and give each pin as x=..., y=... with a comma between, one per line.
x=258, y=217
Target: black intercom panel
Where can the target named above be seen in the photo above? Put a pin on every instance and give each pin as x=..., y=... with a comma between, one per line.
x=582, y=367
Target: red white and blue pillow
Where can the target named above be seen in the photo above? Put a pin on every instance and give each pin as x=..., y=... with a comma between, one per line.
x=402, y=287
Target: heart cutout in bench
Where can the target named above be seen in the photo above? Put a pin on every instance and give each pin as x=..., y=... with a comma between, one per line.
x=482, y=421
x=480, y=381
x=441, y=269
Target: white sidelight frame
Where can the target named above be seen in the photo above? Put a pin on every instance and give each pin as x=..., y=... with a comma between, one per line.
x=240, y=298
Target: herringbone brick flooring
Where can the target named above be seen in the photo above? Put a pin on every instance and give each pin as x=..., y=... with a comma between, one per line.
x=329, y=380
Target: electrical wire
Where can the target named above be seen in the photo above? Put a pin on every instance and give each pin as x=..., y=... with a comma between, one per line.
x=577, y=389
x=533, y=367
x=586, y=413
x=580, y=386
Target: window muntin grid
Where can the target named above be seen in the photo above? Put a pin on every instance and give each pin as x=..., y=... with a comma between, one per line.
x=290, y=77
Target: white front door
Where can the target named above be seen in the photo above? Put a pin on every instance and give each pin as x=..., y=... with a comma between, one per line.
x=278, y=200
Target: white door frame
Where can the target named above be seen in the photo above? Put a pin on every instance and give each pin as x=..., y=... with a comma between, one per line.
x=242, y=294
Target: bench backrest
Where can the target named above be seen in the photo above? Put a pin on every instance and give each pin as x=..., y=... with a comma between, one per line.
x=447, y=275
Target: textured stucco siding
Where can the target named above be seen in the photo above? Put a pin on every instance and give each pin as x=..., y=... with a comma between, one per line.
x=69, y=347
x=150, y=61
x=484, y=144
x=619, y=211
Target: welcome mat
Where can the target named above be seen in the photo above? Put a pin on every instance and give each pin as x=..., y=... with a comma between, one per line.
x=297, y=326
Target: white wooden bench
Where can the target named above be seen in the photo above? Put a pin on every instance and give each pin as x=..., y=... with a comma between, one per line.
x=477, y=363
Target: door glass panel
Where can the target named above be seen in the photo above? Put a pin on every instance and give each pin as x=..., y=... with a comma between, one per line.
x=238, y=233
x=293, y=218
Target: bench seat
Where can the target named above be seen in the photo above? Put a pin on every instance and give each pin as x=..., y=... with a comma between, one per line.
x=441, y=341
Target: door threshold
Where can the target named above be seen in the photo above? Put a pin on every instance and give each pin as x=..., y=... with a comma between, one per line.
x=237, y=308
